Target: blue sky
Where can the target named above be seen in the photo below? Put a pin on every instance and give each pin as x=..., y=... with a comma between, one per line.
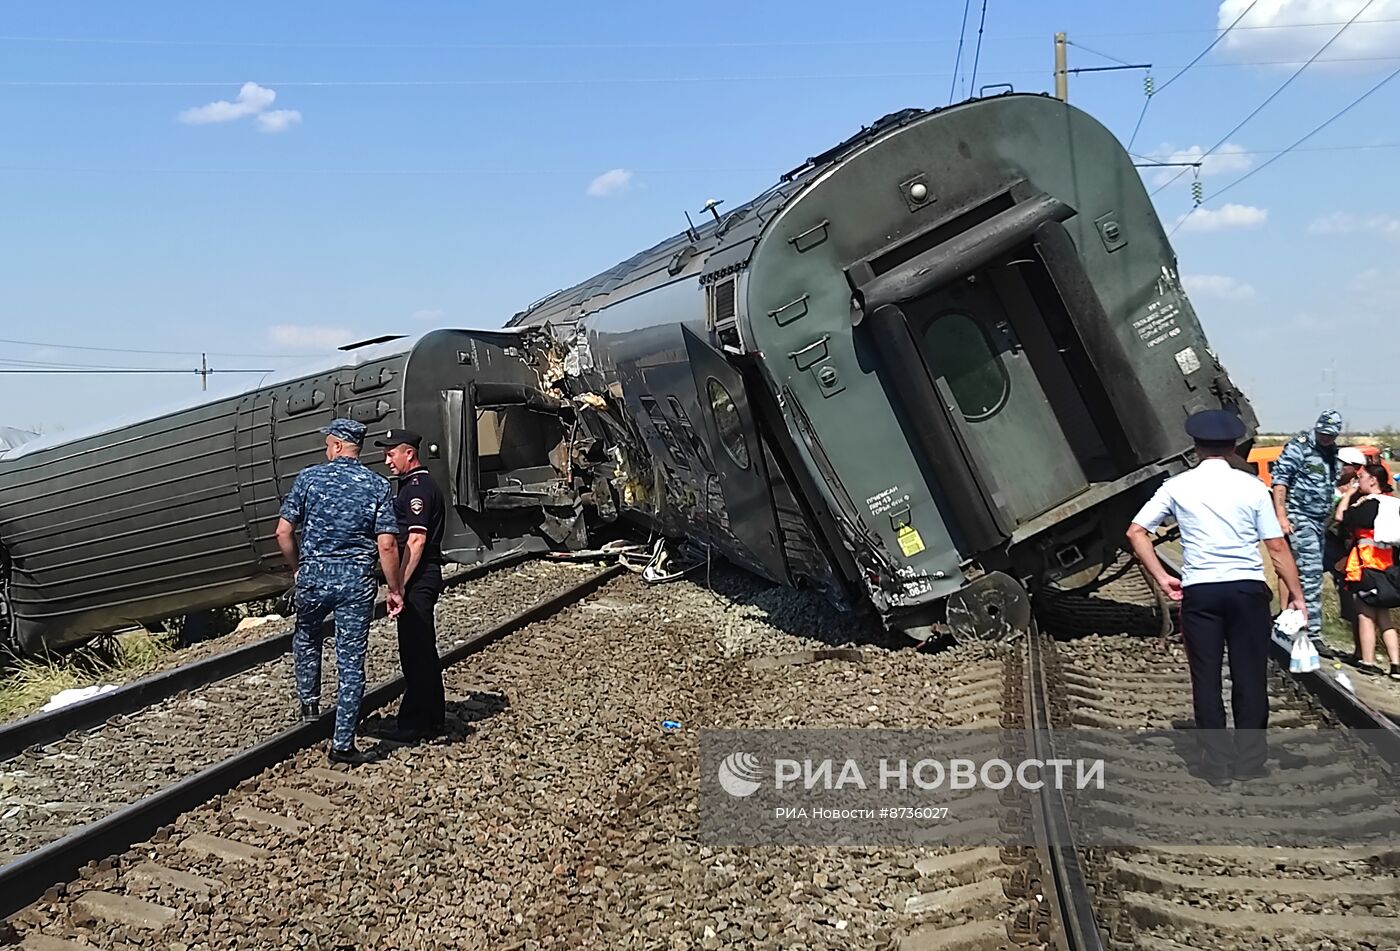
x=398, y=167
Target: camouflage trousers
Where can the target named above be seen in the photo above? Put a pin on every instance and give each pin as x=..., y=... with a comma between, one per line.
x=351, y=600
x=1306, y=542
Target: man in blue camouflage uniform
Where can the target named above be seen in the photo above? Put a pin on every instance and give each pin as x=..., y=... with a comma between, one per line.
x=346, y=514
x=1305, y=476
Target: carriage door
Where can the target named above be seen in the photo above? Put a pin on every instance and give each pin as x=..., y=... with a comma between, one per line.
x=984, y=375
x=736, y=454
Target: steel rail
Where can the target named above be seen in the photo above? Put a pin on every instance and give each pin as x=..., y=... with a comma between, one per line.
x=1073, y=899
x=1375, y=727
x=41, y=728
x=25, y=880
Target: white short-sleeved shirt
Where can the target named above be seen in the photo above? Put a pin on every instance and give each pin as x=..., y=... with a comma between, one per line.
x=1223, y=514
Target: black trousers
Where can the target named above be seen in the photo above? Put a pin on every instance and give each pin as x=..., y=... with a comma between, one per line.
x=423, y=706
x=1233, y=616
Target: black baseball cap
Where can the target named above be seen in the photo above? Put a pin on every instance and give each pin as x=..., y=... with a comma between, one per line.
x=399, y=437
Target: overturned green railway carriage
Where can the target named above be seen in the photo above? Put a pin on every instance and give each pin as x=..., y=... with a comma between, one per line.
x=932, y=368
x=132, y=523
x=936, y=366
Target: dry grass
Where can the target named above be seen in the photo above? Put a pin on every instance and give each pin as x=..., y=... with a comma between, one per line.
x=29, y=684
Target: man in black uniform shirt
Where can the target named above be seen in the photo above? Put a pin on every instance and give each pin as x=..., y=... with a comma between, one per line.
x=420, y=512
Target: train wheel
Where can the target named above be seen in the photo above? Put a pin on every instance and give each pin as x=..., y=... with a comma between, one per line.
x=995, y=607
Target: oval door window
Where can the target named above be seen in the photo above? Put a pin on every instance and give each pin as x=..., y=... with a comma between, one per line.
x=958, y=351
x=731, y=428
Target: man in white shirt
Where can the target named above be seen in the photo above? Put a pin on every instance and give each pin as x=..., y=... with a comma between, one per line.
x=1223, y=515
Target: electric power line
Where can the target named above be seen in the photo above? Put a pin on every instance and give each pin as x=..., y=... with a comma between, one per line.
x=697, y=44
x=957, y=61
x=1087, y=49
x=532, y=172
x=1147, y=100
x=164, y=353
x=1317, y=148
x=592, y=80
x=977, y=56
x=94, y=370
x=1315, y=130
x=1273, y=95
x=1202, y=54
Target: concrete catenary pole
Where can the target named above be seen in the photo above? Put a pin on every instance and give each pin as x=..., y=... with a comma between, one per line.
x=1061, y=69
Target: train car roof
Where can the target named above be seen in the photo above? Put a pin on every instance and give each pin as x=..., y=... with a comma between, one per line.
x=726, y=244
x=312, y=367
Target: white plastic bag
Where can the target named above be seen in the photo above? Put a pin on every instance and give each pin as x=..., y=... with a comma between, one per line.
x=1387, y=529
x=1303, y=659
x=1290, y=622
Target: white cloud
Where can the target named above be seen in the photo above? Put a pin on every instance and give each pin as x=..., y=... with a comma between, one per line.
x=1229, y=159
x=428, y=313
x=278, y=120
x=1224, y=218
x=308, y=337
x=1342, y=223
x=1370, y=35
x=251, y=100
x=1217, y=287
x=612, y=182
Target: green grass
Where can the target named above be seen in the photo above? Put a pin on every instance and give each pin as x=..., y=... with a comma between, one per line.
x=28, y=684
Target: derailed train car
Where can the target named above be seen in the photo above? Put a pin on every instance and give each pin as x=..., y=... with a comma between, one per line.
x=933, y=369
x=129, y=524
x=936, y=367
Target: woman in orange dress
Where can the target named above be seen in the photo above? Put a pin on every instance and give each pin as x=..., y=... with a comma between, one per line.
x=1356, y=514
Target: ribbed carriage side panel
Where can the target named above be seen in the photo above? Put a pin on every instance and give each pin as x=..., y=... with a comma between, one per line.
x=279, y=434
x=111, y=527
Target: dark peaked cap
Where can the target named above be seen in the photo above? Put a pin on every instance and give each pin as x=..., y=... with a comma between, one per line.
x=399, y=437
x=1215, y=425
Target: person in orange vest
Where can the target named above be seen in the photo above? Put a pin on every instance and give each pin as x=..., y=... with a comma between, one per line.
x=1356, y=513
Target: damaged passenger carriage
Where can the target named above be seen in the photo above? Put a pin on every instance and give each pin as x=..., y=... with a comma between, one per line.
x=935, y=368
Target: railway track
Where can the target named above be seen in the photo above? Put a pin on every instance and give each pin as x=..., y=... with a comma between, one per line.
x=560, y=812
x=193, y=667
x=49, y=791
x=1196, y=867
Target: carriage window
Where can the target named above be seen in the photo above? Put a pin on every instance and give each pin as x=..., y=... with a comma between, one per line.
x=731, y=428
x=958, y=350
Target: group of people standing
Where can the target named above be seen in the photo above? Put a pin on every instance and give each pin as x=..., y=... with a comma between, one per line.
x=1326, y=499
x=1322, y=516
x=348, y=516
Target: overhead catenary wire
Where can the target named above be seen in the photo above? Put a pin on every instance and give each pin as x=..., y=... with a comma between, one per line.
x=1273, y=95
x=521, y=171
x=668, y=44
x=977, y=55
x=162, y=353
x=1106, y=56
x=96, y=370
x=957, y=60
x=1147, y=99
x=1314, y=131
x=1317, y=148
x=588, y=80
